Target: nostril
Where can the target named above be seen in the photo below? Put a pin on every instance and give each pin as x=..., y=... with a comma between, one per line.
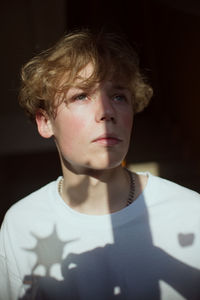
x=112, y=119
x=105, y=113
x=107, y=118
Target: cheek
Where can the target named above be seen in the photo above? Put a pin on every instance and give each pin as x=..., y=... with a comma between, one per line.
x=71, y=129
x=70, y=137
x=75, y=126
x=127, y=120
x=77, y=120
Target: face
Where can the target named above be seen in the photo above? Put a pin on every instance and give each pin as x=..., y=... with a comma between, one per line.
x=91, y=128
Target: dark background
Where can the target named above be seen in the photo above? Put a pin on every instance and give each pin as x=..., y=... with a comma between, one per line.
x=166, y=35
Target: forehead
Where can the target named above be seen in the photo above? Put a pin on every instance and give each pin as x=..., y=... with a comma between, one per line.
x=86, y=72
x=89, y=78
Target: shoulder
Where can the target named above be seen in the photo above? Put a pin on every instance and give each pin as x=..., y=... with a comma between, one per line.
x=167, y=185
x=161, y=189
x=33, y=203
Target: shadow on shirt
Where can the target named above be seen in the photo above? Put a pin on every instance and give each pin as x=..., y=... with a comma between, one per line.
x=130, y=268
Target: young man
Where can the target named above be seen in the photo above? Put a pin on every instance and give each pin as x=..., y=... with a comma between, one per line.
x=99, y=231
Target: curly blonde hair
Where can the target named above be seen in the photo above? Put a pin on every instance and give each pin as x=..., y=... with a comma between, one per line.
x=111, y=56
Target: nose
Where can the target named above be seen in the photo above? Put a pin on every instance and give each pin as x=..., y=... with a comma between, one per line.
x=105, y=110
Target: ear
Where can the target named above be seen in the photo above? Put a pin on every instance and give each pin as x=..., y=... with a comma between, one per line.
x=44, y=125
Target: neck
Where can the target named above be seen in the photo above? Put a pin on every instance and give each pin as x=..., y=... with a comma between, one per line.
x=96, y=192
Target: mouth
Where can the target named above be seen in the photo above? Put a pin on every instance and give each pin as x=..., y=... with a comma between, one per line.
x=107, y=140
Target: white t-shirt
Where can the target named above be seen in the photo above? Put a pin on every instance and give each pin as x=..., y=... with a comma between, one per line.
x=148, y=250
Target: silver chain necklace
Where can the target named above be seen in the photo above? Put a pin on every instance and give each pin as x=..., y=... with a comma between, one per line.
x=131, y=192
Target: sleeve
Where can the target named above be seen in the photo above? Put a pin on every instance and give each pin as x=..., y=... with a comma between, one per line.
x=10, y=283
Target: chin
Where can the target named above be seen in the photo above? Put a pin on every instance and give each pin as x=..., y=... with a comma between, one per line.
x=106, y=164
x=98, y=162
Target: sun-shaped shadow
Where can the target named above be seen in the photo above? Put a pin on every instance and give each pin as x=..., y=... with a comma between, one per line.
x=49, y=250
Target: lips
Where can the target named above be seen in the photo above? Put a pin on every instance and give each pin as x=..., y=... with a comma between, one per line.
x=107, y=140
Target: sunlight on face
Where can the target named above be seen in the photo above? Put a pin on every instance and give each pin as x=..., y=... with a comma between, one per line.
x=92, y=126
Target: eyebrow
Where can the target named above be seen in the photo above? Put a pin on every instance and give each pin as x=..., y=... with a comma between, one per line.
x=120, y=87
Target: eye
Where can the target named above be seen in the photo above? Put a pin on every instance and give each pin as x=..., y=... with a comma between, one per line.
x=80, y=97
x=119, y=98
